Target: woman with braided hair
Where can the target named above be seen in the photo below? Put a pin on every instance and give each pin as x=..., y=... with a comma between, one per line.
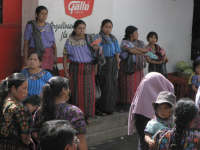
x=184, y=136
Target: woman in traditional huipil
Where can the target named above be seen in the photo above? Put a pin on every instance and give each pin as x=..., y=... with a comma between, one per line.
x=39, y=37
x=14, y=120
x=36, y=76
x=108, y=72
x=81, y=69
x=128, y=82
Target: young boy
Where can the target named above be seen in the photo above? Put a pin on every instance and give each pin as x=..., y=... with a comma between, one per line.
x=163, y=116
x=32, y=103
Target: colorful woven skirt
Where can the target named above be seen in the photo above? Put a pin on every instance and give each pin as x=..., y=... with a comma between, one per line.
x=128, y=84
x=82, y=84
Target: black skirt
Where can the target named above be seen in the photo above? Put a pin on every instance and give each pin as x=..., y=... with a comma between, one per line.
x=108, y=83
x=161, y=68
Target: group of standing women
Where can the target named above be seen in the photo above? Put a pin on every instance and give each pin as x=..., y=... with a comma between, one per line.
x=82, y=69
x=82, y=50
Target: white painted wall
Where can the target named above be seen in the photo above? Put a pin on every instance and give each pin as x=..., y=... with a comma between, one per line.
x=171, y=19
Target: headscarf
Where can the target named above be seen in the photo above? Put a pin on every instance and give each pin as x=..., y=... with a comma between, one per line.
x=151, y=85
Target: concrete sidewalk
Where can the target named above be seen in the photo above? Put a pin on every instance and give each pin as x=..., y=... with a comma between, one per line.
x=105, y=128
x=120, y=143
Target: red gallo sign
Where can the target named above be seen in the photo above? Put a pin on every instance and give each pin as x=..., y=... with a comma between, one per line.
x=79, y=8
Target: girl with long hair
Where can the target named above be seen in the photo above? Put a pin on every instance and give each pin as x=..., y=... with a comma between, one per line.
x=55, y=96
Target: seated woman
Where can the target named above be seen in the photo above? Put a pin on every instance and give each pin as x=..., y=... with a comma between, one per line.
x=184, y=136
x=14, y=120
x=55, y=107
x=37, y=77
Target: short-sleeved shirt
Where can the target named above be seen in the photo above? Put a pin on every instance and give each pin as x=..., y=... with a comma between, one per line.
x=15, y=120
x=190, y=140
x=111, y=47
x=153, y=126
x=78, y=50
x=36, y=81
x=124, y=53
x=67, y=112
x=47, y=35
x=196, y=80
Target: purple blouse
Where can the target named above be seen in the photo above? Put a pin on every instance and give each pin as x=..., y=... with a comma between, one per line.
x=78, y=51
x=124, y=53
x=47, y=35
x=67, y=112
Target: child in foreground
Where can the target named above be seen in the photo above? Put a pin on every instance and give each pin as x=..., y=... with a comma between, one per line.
x=163, y=116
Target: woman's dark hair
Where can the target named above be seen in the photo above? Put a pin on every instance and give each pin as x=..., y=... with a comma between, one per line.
x=76, y=24
x=195, y=64
x=16, y=80
x=34, y=52
x=185, y=112
x=39, y=9
x=50, y=92
x=151, y=34
x=129, y=30
x=105, y=21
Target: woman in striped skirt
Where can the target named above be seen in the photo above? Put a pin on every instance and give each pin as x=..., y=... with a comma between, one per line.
x=128, y=82
x=81, y=69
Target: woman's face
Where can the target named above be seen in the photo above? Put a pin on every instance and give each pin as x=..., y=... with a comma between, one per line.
x=21, y=92
x=135, y=35
x=66, y=93
x=80, y=30
x=107, y=28
x=164, y=111
x=34, y=62
x=42, y=16
x=153, y=39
